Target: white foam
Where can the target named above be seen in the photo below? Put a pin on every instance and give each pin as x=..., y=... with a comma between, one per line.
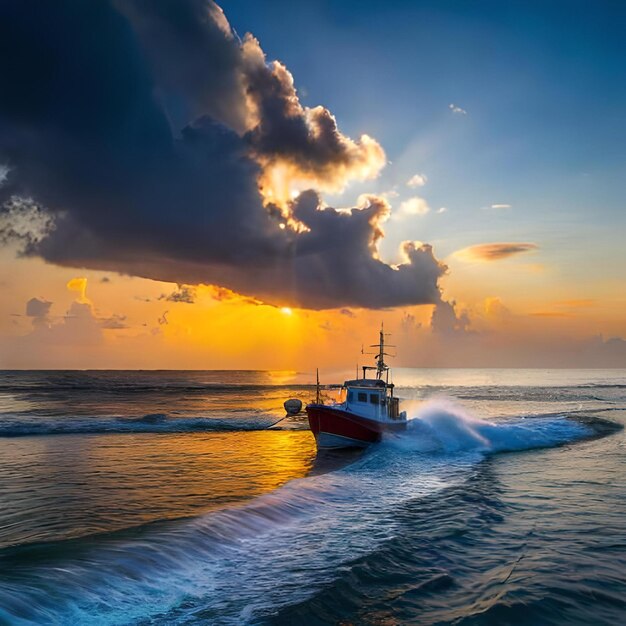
x=442, y=425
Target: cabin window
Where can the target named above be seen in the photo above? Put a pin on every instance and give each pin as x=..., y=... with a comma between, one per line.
x=362, y=397
x=350, y=396
x=374, y=398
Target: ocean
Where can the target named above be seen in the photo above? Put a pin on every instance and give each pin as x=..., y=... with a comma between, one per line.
x=162, y=497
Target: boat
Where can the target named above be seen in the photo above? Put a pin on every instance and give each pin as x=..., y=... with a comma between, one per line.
x=366, y=410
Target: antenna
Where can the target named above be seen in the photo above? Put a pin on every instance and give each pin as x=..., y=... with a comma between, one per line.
x=317, y=386
x=381, y=366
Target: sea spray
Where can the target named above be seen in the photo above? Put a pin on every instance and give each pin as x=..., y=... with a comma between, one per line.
x=442, y=425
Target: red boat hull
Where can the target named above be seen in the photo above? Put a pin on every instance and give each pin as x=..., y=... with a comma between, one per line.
x=336, y=428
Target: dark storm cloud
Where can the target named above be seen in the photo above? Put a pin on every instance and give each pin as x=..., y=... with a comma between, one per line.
x=307, y=138
x=196, y=56
x=142, y=127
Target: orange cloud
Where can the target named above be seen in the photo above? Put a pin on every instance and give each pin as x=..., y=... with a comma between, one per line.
x=494, y=251
x=575, y=304
x=551, y=314
x=298, y=147
x=79, y=285
x=494, y=308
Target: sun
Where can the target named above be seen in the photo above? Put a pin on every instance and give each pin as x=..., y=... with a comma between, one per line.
x=286, y=311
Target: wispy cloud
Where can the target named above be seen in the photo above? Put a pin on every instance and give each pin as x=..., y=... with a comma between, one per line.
x=457, y=110
x=417, y=180
x=441, y=209
x=494, y=251
x=389, y=195
x=500, y=206
x=550, y=314
x=575, y=304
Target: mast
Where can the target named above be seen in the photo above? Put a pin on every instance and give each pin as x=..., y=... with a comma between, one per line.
x=317, y=386
x=381, y=367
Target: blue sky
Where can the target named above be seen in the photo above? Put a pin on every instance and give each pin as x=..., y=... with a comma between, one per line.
x=542, y=83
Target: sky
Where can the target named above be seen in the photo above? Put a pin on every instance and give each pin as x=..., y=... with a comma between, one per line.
x=260, y=185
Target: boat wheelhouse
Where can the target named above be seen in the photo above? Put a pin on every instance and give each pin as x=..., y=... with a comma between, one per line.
x=367, y=409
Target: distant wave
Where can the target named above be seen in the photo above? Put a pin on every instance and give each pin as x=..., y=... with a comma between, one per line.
x=600, y=386
x=152, y=423
x=133, y=387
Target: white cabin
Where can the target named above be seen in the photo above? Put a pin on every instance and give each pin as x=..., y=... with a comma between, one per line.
x=371, y=398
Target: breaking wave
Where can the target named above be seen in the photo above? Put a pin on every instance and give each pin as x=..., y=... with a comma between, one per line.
x=441, y=425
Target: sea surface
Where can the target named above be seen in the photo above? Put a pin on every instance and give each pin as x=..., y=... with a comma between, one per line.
x=185, y=498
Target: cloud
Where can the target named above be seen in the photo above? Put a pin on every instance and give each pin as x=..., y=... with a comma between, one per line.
x=551, y=314
x=441, y=210
x=77, y=328
x=446, y=322
x=79, y=285
x=348, y=269
x=417, y=180
x=221, y=294
x=164, y=146
x=296, y=142
x=115, y=322
x=457, y=110
x=495, y=309
x=389, y=195
x=414, y=206
x=24, y=220
x=39, y=310
x=576, y=303
x=494, y=251
x=500, y=206
x=182, y=293
x=347, y=313
x=408, y=323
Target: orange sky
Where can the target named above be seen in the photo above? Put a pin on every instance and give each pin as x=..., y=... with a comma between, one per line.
x=104, y=320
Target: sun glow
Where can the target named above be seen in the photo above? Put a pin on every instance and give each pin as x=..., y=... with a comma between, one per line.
x=286, y=311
